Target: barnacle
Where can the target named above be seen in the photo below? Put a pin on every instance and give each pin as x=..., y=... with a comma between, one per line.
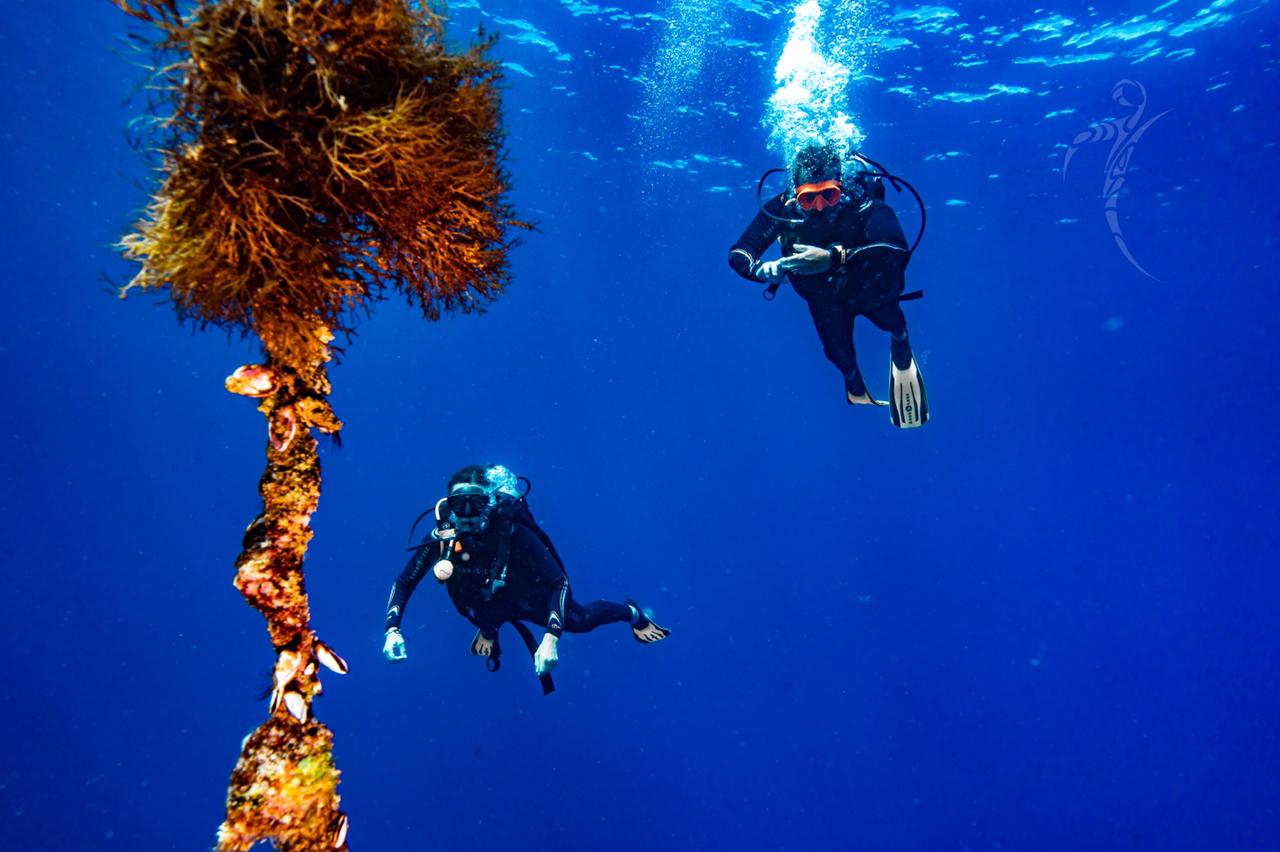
x=252, y=380
x=314, y=153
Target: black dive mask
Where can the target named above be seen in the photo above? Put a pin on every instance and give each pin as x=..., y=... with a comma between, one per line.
x=468, y=505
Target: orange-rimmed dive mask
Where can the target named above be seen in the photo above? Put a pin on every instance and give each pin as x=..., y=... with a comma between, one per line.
x=818, y=196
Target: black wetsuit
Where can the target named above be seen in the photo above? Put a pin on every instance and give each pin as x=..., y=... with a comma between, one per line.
x=866, y=276
x=534, y=586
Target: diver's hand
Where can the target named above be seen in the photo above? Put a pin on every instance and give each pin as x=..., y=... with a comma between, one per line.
x=480, y=646
x=545, y=658
x=393, y=648
x=770, y=270
x=807, y=260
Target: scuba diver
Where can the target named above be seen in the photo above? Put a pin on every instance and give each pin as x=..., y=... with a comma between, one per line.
x=845, y=254
x=499, y=567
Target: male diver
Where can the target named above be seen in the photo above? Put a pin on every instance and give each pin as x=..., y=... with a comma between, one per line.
x=500, y=567
x=845, y=254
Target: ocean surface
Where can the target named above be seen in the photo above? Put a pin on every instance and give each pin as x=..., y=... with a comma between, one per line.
x=1045, y=621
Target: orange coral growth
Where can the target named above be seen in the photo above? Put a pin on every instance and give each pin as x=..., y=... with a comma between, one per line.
x=282, y=786
x=277, y=791
x=269, y=569
x=315, y=152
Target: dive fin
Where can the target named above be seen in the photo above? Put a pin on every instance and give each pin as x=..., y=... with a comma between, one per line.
x=909, y=406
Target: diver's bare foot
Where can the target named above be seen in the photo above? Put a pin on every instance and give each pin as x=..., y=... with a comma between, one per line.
x=650, y=633
x=863, y=399
x=481, y=646
x=642, y=626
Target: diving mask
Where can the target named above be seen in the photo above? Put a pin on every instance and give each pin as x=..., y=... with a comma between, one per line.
x=471, y=504
x=818, y=196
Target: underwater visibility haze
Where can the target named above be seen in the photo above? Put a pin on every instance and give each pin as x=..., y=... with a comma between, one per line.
x=1043, y=620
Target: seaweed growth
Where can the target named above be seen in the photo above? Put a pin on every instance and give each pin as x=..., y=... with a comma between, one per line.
x=314, y=153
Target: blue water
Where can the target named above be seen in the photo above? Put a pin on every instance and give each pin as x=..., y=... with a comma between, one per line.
x=1047, y=620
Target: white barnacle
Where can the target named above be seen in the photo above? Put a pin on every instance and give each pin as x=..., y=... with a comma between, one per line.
x=330, y=660
x=296, y=705
x=340, y=833
x=286, y=667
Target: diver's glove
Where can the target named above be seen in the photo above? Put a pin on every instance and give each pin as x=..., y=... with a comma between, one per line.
x=393, y=648
x=545, y=658
x=768, y=270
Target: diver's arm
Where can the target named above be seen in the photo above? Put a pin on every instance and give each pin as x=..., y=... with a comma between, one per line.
x=809, y=260
x=745, y=255
x=547, y=655
x=881, y=249
x=403, y=587
x=401, y=590
x=556, y=606
x=883, y=227
x=533, y=557
x=538, y=560
x=536, y=567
